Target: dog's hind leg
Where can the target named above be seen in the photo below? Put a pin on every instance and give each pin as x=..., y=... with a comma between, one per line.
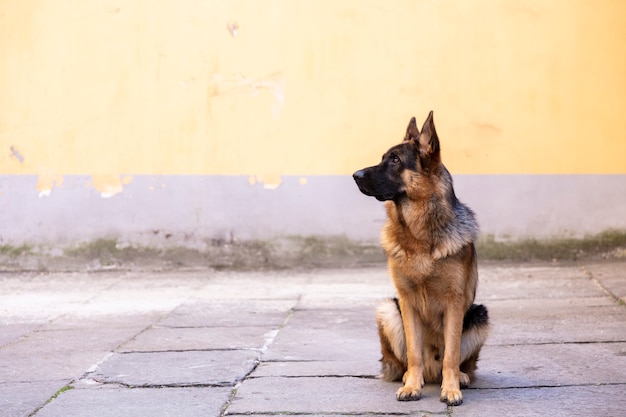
x=392, y=341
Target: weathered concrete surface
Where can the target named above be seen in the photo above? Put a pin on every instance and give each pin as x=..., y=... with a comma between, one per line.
x=177, y=368
x=206, y=343
x=22, y=398
x=328, y=395
x=138, y=402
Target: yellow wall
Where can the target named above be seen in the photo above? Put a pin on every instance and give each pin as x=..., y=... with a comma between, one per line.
x=309, y=87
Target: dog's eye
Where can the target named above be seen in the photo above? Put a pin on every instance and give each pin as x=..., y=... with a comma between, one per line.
x=395, y=159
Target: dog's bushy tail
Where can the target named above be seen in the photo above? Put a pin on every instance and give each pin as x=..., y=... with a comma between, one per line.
x=393, y=342
x=475, y=332
x=476, y=317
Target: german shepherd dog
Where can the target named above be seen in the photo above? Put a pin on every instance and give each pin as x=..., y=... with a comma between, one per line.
x=432, y=332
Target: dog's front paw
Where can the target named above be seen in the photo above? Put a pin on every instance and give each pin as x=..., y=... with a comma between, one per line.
x=409, y=393
x=464, y=380
x=451, y=396
x=413, y=380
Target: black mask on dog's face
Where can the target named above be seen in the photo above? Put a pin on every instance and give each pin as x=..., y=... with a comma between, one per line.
x=419, y=152
x=384, y=181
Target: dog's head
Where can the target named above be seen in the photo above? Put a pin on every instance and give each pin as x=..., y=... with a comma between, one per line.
x=418, y=154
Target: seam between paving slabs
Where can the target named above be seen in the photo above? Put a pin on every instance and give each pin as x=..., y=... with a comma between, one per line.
x=608, y=292
x=260, y=350
x=423, y=413
x=54, y=396
x=582, y=342
x=591, y=384
x=317, y=376
x=269, y=340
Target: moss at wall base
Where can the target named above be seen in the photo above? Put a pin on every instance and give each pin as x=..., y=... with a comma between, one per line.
x=610, y=244
x=292, y=252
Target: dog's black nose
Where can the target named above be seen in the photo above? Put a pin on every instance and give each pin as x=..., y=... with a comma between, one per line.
x=358, y=175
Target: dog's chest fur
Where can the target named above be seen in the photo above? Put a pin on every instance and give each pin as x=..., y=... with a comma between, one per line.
x=417, y=267
x=411, y=253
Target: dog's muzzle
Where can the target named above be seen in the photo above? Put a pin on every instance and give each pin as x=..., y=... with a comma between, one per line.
x=358, y=175
x=362, y=181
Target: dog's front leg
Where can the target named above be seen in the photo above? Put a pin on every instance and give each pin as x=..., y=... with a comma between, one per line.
x=413, y=330
x=453, y=329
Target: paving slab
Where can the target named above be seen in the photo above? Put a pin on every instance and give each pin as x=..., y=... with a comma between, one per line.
x=254, y=285
x=14, y=331
x=358, y=287
x=213, y=368
x=327, y=334
x=561, y=320
x=90, y=323
x=363, y=368
x=43, y=297
x=138, y=402
x=551, y=365
x=20, y=399
x=611, y=275
x=226, y=313
x=217, y=368
x=58, y=354
x=544, y=282
x=158, y=339
x=131, y=299
x=580, y=401
x=329, y=395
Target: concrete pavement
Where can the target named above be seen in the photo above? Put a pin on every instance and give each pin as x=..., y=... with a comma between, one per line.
x=206, y=343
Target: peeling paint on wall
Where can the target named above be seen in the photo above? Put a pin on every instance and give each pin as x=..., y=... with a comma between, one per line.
x=110, y=185
x=269, y=181
x=233, y=29
x=46, y=181
x=154, y=187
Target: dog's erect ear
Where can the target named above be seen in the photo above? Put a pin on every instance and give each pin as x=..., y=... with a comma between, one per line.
x=428, y=140
x=412, y=133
